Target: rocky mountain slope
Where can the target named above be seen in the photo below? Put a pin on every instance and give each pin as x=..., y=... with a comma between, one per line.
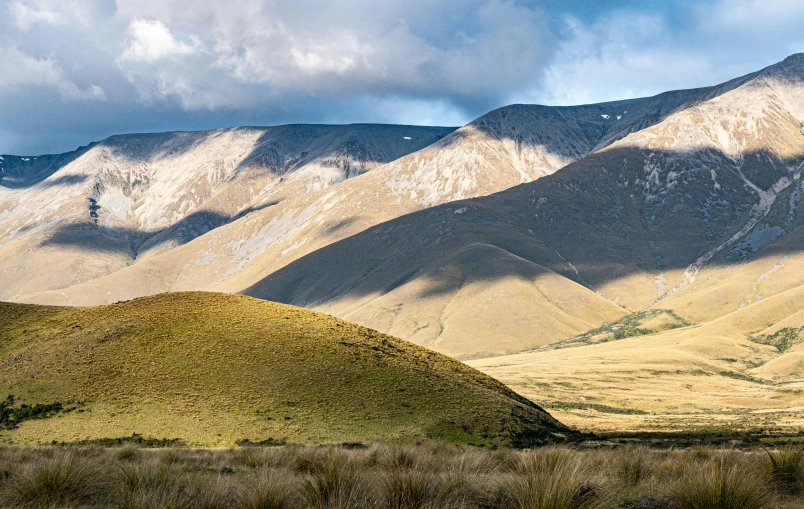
x=504, y=148
x=214, y=369
x=633, y=224
x=101, y=208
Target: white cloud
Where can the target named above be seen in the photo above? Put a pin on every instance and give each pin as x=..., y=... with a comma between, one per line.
x=150, y=40
x=21, y=70
x=266, y=49
x=28, y=14
x=164, y=64
x=626, y=54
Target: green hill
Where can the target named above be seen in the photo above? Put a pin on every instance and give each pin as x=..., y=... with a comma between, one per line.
x=214, y=369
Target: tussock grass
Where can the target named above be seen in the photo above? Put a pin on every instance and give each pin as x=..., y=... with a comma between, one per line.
x=787, y=468
x=272, y=489
x=428, y=476
x=551, y=479
x=633, y=464
x=62, y=480
x=722, y=484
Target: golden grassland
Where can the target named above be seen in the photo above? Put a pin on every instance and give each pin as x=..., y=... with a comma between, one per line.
x=742, y=372
x=213, y=369
x=432, y=475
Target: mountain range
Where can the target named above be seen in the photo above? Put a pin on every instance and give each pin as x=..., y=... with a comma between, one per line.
x=638, y=250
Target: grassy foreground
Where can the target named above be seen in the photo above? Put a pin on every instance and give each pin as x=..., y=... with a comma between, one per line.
x=214, y=369
x=429, y=476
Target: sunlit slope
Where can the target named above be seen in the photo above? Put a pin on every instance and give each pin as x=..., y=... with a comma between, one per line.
x=503, y=148
x=631, y=224
x=215, y=368
x=97, y=210
x=744, y=370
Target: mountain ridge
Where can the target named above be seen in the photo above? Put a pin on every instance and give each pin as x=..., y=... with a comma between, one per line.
x=696, y=177
x=504, y=148
x=137, y=195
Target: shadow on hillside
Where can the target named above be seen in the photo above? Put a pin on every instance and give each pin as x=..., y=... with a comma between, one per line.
x=368, y=144
x=90, y=236
x=22, y=172
x=600, y=219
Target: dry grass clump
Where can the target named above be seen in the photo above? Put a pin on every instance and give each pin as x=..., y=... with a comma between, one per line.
x=633, y=465
x=722, y=483
x=551, y=479
x=62, y=480
x=273, y=489
x=428, y=476
x=787, y=468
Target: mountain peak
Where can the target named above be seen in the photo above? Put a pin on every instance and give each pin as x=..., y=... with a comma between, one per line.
x=790, y=67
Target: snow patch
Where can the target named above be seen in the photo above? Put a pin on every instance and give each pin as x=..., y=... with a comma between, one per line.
x=407, y=138
x=461, y=210
x=605, y=116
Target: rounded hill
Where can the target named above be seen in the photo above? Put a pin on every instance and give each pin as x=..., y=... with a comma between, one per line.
x=215, y=369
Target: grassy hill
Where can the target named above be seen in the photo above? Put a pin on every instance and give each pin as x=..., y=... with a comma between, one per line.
x=213, y=369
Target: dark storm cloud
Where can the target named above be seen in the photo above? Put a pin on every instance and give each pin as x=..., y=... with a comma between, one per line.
x=79, y=70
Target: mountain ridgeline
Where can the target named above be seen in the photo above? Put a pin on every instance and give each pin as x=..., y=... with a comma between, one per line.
x=534, y=236
x=104, y=207
x=634, y=224
x=255, y=226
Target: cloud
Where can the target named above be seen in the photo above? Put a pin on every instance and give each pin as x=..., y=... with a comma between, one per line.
x=625, y=53
x=189, y=64
x=21, y=70
x=263, y=50
x=620, y=57
x=28, y=14
x=150, y=40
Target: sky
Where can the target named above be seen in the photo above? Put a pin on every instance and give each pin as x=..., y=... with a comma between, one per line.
x=76, y=71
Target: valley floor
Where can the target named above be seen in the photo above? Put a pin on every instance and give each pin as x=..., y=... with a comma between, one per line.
x=691, y=378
